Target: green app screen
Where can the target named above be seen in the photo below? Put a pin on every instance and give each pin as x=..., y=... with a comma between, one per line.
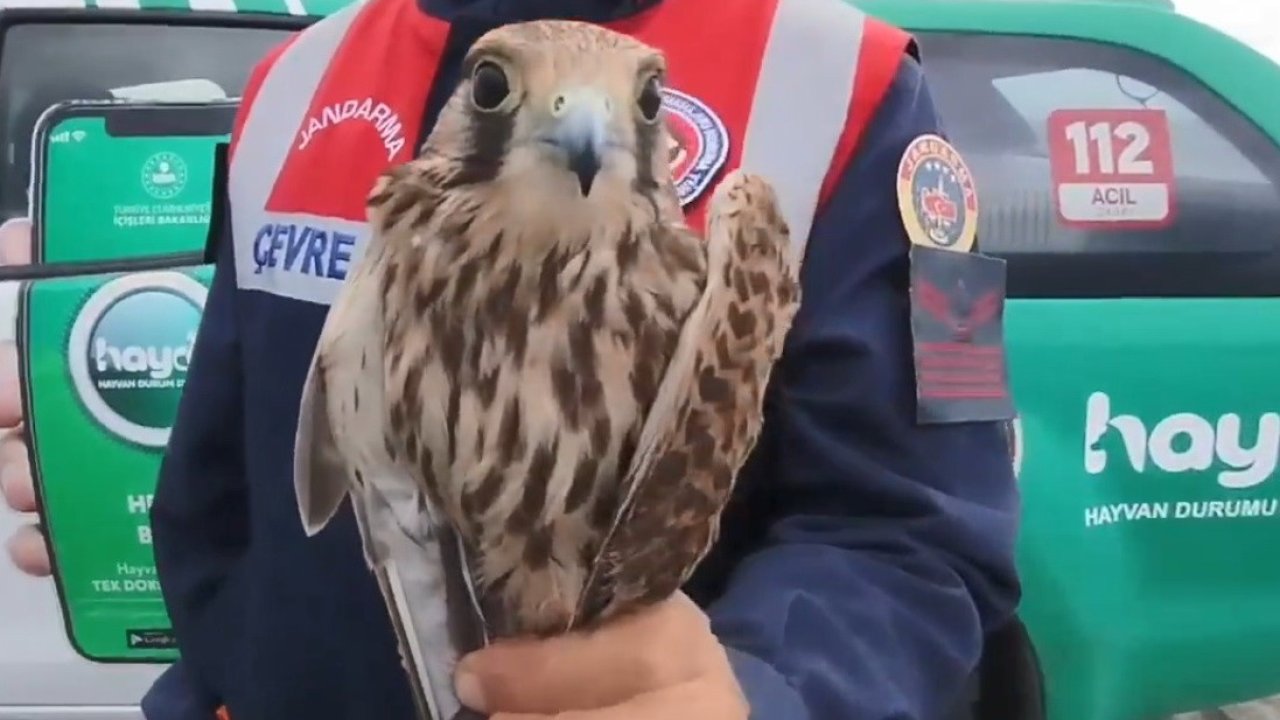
x=117, y=198
x=104, y=360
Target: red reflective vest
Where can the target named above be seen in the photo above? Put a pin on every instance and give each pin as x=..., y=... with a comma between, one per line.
x=781, y=87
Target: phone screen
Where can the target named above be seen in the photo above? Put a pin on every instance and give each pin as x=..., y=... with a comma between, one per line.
x=103, y=362
x=121, y=182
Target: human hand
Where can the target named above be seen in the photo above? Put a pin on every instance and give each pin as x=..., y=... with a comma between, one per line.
x=662, y=662
x=27, y=548
x=15, y=242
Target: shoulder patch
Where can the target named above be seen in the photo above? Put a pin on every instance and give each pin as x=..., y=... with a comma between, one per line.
x=699, y=143
x=936, y=195
x=956, y=293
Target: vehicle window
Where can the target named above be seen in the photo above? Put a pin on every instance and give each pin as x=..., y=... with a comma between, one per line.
x=1193, y=208
x=43, y=64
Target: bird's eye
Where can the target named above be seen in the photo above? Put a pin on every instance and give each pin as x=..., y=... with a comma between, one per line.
x=489, y=86
x=650, y=99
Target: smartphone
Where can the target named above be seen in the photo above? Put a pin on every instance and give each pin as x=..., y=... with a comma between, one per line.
x=103, y=360
x=115, y=181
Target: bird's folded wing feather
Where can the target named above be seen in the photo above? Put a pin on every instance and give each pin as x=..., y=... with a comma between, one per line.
x=346, y=361
x=429, y=601
x=319, y=475
x=707, y=414
x=414, y=560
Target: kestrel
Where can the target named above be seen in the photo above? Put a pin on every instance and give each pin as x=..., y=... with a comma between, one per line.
x=537, y=376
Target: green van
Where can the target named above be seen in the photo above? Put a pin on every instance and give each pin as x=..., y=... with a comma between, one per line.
x=1128, y=167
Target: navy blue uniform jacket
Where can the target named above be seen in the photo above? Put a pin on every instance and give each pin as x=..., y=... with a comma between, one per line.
x=862, y=560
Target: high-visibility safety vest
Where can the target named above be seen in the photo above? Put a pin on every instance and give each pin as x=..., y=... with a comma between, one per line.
x=783, y=88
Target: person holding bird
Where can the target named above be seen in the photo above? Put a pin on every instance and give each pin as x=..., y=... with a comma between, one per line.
x=659, y=411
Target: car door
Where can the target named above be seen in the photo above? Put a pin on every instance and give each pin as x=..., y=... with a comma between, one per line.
x=1126, y=177
x=47, y=56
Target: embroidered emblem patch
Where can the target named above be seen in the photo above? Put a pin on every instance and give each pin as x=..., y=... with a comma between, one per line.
x=957, y=335
x=699, y=143
x=936, y=195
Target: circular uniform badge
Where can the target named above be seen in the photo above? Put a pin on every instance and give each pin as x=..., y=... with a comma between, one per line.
x=936, y=195
x=699, y=143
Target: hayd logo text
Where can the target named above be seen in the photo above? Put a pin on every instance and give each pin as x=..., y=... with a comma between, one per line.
x=129, y=350
x=1238, y=452
x=1243, y=450
x=140, y=366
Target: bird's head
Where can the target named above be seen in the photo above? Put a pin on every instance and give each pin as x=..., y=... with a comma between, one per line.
x=563, y=113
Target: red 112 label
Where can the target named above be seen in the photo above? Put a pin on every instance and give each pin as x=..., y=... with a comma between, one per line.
x=1112, y=167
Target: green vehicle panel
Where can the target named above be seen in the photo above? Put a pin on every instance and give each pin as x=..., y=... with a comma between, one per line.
x=1139, y=351
x=1140, y=356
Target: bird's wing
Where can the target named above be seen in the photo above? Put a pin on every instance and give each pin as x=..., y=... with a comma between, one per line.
x=321, y=478
x=342, y=427
x=342, y=416
x=428, y=596
x=708, y=411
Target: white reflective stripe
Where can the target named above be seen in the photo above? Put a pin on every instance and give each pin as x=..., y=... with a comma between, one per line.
x=225, y=5
x=42, y=4
x=282, y=101
x=801, y=103
x=269, y=132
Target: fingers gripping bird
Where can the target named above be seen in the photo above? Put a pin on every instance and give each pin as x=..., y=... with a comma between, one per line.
x=537, y=377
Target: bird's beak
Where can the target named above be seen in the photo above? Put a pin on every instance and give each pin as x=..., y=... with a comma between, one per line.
x=582, y=126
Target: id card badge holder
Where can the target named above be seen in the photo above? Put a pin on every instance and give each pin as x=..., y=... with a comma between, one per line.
x=957, y=294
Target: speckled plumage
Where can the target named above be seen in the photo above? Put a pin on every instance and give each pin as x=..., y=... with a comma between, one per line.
x=569, y=379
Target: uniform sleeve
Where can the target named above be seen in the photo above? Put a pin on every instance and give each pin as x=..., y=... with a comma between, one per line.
x=199, y=515
x=890, y=545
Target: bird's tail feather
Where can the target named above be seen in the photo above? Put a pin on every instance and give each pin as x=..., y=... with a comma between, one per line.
x=426, y=584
